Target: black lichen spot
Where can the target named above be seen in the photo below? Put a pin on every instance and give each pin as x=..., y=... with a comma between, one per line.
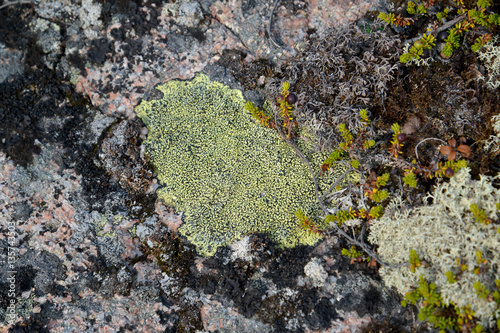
x=117, y=33
x=27, y=105
x=231, y=281
x=198, y=34
x=132, y=46
x=322, y=314
x=26, y=278
x=171, y=320
x=98, y=50
x=36, y=323
x=77, y=60
x=132, y=14
x=13, y=22
x=128, y=328
x=371, y=302
x=284, y=272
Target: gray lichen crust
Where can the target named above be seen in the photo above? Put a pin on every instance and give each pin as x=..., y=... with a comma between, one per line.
x=229, y=175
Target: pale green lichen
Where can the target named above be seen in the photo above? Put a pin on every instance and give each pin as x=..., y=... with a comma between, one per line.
x=133, y=231
x=100, y=225
x=446, y=235
x=229, y=175
x=490, y=55
x=493, y=143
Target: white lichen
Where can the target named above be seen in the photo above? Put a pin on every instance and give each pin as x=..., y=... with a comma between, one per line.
x=242, y=249
x=316, y=273
x=190, y=14
x=490, y=55
x=169, y=284
x=493, y=143
x=89, y=14
x=445, y=234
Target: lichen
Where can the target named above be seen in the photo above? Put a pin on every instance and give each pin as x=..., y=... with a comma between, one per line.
x=316, y=273
x=490, y=55
x=101, y=224
x=493, y=143
x=229, y=175
x=337, y=73
x=446, y=235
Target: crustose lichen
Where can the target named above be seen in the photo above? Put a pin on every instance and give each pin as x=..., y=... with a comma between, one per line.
x=229, y=175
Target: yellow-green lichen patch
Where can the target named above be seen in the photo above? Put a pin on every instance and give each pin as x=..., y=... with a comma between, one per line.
x=229, y=175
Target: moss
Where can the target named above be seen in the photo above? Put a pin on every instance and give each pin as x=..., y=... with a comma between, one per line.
x=228, y=175
x=447, y=236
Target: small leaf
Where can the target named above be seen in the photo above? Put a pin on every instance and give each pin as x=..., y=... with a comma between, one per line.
x=451, y=277
x=329, y=218
x=396, y=128
x=446, y=150
x=452, y=155
x=464, y=149
x=285, y=86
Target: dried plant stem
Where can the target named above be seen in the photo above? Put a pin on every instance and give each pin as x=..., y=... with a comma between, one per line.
x=337, y=181
x=418, y=144
x=438, y=30
x=15, y=3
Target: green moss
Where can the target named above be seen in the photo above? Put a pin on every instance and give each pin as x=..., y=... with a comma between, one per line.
x=229, y=175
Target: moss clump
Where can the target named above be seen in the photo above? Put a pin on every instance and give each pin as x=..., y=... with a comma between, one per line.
x=229, y=175
x=459, y=244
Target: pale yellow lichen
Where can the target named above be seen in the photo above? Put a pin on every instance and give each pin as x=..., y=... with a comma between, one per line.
x=229, y=175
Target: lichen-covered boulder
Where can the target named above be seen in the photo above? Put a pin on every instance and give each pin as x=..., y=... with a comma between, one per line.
x=229, y=175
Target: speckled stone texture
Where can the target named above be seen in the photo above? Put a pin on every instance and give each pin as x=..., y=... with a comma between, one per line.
x=84, y=244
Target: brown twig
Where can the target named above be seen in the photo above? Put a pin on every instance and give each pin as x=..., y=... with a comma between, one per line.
x=445, y=26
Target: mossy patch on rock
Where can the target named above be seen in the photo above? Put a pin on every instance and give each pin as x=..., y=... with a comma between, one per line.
x=229, y=175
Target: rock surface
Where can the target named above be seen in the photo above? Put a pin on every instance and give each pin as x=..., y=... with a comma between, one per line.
x=86, y=245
